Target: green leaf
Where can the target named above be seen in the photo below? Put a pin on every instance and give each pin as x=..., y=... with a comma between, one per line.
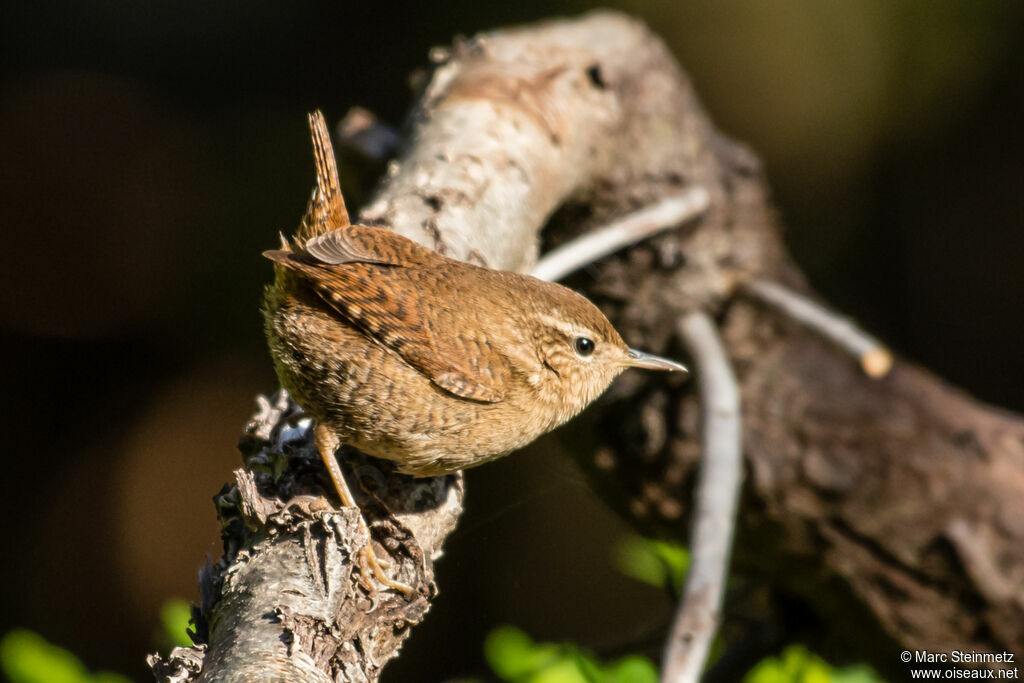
x=632, y=669
x=797, y=664
x=175, y=616
x=660, y=563
x=26, y=657
x=563, y=670
x=513, y=655
x=516, y=658
x=589, y=669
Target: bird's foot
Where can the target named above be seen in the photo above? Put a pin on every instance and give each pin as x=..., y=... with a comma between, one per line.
x=368, y=560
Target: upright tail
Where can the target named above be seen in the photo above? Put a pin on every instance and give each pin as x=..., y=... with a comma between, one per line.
x=326, y=209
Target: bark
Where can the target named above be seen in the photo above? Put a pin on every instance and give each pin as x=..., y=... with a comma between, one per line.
x=285, y=602
x=897, y=505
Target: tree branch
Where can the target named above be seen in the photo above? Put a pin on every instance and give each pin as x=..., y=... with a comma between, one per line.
x=608, y=239
x=718, y=490
x=875, y=359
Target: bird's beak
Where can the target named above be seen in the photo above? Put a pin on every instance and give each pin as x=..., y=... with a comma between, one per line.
x=639, y=359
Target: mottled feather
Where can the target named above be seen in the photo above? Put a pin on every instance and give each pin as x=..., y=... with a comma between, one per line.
x=430, y=362
x=374, y=279
x=326, y=209
x=366, y=244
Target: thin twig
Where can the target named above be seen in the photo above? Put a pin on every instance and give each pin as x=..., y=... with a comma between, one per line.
x=717, y=496
x=596, y=244
x=875, y=359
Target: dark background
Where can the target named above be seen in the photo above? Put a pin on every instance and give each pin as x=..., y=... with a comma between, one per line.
x=150, y=150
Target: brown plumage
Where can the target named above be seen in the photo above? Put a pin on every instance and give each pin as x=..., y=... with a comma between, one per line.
x=430, y=362
x=435, y=364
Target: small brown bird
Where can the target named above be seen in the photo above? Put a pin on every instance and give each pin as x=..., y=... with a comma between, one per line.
x=407, y=355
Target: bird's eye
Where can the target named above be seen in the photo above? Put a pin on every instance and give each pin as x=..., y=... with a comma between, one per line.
x=583, y=346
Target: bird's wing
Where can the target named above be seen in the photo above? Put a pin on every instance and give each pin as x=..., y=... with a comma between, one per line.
x=381, y=284
x=368, y=244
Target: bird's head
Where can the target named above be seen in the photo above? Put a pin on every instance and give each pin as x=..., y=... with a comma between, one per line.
x=580, y=352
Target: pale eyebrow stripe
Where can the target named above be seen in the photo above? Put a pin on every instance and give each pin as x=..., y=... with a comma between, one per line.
x=568, y=328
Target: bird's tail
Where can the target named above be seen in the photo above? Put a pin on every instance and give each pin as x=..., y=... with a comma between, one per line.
x=326, y=209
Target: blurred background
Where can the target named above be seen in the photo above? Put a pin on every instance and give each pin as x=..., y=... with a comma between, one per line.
x=149, y=151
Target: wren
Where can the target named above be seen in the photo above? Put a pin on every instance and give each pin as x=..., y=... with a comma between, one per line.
x=410, y=356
